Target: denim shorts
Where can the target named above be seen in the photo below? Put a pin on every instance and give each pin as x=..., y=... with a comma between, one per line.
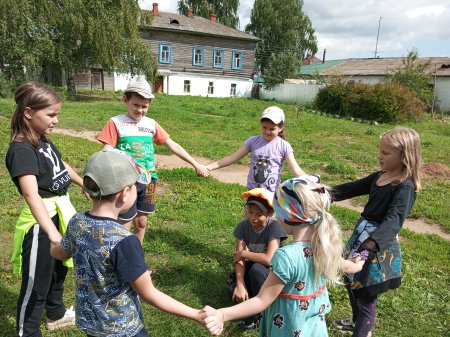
x=145, y=202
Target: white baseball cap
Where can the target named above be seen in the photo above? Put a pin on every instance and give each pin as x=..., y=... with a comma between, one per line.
x=274, y=113
x=139, y=85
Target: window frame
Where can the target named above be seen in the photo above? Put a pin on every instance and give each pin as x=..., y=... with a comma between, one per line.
x=210, y=86
x=233, y=89
x=188, y=84
x=194, y=49
x=160, y=59
x=241, y=59
x=222, y=55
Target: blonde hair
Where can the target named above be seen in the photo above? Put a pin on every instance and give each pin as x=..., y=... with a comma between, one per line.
x=35, y=96
x=327, y=238
x=407, y=142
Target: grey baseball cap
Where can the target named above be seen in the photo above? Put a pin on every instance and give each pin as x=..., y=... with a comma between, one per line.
x=111, y=171
x=140, y=85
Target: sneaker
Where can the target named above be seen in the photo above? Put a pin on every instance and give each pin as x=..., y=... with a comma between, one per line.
x=67, y=320
x=344, y=325
x=249, y=325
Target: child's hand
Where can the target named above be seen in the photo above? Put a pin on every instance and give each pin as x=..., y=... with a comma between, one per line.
x=212, y=320
x=202, y=170
x=238, y=256
x=240, y=293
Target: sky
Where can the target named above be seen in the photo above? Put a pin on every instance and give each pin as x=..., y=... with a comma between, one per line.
x=349, y=28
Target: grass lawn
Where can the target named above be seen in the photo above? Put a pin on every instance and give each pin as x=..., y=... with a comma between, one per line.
x=189, y=240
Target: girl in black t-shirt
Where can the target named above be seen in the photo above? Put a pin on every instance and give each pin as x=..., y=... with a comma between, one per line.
x=42, y=178
x=392, y=192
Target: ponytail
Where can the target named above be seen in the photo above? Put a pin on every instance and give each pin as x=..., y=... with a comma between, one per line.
x=326, y=239
x=327, y=243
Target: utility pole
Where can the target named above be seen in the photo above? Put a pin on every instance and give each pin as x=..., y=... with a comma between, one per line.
x=378, y=34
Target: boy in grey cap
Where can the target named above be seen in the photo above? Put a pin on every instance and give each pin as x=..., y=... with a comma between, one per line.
x=135, y=134
x=110, y=271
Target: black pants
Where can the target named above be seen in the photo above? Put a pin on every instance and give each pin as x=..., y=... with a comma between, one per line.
x=255, y=276
x=364, y=311
x=42, y=283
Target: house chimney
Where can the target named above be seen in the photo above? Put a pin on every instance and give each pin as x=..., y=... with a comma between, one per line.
x=190, y=14
x=213, y=17
x=324, y=53
x=155, y=8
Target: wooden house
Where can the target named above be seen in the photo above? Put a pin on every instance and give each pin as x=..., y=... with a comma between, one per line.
x=201, y=57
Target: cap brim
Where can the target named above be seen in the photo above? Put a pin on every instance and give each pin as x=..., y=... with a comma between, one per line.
x=260, y=193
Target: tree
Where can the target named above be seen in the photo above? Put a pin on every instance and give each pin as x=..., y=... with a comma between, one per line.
x=284, y=30
x=226, y=10
x=71, y=36
x=415, y=74
x=281, y=66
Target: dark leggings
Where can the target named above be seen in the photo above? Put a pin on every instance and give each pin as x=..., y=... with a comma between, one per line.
x=364, y=311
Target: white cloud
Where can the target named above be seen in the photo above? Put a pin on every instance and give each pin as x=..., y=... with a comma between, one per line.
x=348, y=28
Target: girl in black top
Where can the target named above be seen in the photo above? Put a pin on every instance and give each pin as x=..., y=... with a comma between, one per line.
x=392, y=192
x=42, y=178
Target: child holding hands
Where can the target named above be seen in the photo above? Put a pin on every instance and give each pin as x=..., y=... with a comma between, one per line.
x=110, y=271
x=135, y=134
x=392, y=193
x=294, y=297
x=258, y=236
x=42, y=178
x=268, y=151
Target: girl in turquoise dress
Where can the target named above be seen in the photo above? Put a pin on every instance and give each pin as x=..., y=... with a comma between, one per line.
x=294, y=297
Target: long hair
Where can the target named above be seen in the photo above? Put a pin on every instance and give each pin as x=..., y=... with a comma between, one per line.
x=326, y=239
x=35, y=96
x=407, y=142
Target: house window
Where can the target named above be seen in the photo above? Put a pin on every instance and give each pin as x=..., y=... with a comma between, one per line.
x=165, y=53
x=218, y=58
x=187, y=86
x=233, y=89
x=237, y=60
x=211, y=88
x=197, y=56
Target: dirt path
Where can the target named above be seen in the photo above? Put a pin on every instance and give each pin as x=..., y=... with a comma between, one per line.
x=238, y=174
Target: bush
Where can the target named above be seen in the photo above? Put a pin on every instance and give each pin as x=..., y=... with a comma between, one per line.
x=382, y=102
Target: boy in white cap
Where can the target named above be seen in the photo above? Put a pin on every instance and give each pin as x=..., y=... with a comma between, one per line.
x=268, y=151
x=135, y=134
x=110, y=270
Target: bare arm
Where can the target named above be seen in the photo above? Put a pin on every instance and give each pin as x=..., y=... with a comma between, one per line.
x=270, y=290
x=57, y=251
x=351, y=266
x=28, y=185
x=176, y=148
x=240, y=292
x=73, y=175
x=229, y=159
x=144, y=287
x=263, y=258
x=293, y=166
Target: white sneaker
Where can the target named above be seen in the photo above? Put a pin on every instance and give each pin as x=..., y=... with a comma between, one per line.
x=67, y=320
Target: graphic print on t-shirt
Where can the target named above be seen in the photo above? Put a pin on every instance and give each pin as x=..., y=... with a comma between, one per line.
x=261, y=170
x=60, y=176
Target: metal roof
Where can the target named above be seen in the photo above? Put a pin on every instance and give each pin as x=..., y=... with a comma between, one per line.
x=318, y=67
x=196, y=25
x=383, y=66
